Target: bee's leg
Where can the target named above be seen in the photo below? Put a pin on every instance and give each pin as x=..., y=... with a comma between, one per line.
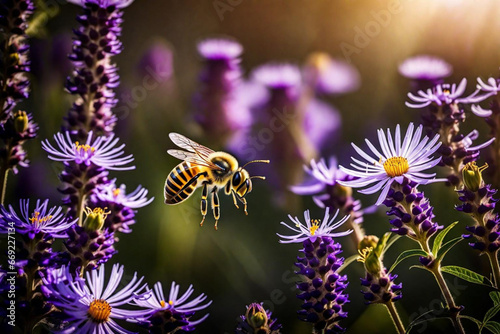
x=234, y=200
x=204, y=194
x=244, y=201
x=215, y=205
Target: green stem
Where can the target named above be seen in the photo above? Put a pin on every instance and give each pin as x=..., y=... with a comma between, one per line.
x=395, y=317
x=4, y=173
x=495, y=268
x=80, y=207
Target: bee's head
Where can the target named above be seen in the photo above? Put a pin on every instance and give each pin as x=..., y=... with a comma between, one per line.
x=241, y=181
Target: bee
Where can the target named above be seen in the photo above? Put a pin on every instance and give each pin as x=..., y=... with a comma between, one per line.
x=203, y=167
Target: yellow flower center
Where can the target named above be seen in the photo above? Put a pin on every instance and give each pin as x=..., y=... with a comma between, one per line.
x=162, y=304
x=99, y=310
x=116, y=192
x=396, y=166
x=315, y=226
x=170, y=302
x=85, y=147
x=36, y=219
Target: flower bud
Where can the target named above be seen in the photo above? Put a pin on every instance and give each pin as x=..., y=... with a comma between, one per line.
x=472, y=175
x=368, y=241
x=21, y=121
x=95, y=219
x=256, y=315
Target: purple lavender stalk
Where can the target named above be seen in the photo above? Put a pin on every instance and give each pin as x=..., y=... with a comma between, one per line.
x=95, y=76
x=219, y=109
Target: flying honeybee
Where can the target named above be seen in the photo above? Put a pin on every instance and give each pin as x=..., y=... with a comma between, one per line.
x=203, y=167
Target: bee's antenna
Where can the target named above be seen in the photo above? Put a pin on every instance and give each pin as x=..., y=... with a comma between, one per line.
x=258, y=177
x=250, y=162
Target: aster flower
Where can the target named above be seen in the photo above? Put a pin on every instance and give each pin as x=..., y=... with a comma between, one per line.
x=168, y=316
x=257, y=320
x=85, y=166
x=322, y=287
x=327, y=192
x=120, y=205
x=40, y=221
x=99, y=152
x=330, y=76
x=314, y=229
x=95, y=76
x=398, y=161
x=425, y=70
x=443, y=94
x=93, y=305
x=219, y=110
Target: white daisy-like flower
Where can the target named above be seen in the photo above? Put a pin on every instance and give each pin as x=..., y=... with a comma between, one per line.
x=93, y=305
x=312, y=229
x=101, y=151
x=395, y=161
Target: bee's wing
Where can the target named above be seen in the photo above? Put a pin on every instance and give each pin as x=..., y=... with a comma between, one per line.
x=197, y=153
x=191, y=157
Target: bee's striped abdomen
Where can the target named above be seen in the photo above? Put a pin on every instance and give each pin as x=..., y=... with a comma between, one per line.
x=181, y=182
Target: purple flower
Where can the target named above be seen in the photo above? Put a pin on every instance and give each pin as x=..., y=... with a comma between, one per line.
x=219, y=107
x=168, y=316
x=397, y=162
x=99, y=152
x=278, y=76
x=425, y=67
x=330, y=76
x=321, y=124
x=443, y=94
x=41, y=221
x=313, y=229
x=157, y=62
x=93, y=304
x=95, y=76
x=257, y=320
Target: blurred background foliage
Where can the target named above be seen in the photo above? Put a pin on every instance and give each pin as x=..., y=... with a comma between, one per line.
x=243, y=262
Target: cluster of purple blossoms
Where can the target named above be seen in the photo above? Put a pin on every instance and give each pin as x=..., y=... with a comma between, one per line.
x=16, y=127
x=322, y=287
x=378, y=283
x=257, y=320
x=95, y=76
x=14, y=16
x=442, y=114
x=478, y=201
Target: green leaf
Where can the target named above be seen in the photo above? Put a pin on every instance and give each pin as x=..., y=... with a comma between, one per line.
x=493, y=327
x=495, y=296
x=491, y=313
x=446, y=247
x=474, y=320
x=406, y=254
x=391, y=241
x=347, y=262
x=466, y=274
x=440, y=237
x=419, y=267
